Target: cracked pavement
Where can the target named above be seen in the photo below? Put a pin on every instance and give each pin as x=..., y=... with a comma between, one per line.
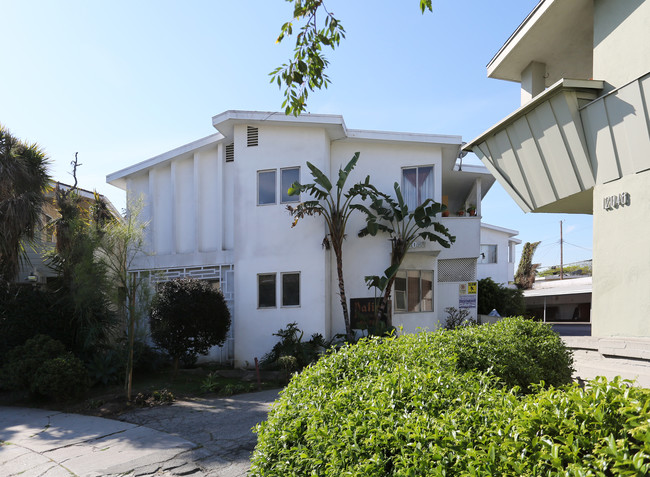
x=203, y=438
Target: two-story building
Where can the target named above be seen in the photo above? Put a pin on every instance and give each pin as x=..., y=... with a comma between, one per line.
x=580, y=142
x=217, y=210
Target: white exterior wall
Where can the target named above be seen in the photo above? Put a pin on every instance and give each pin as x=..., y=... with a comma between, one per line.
x=188, y=202
x=621, y=260
x=503, y=270
x=621, y=46
x=266, y=243
x=371, y=255
x=204, y=220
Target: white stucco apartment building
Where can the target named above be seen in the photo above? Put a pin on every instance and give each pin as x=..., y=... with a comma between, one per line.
x=217, y=211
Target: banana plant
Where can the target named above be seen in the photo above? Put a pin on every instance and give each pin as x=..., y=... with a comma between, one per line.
x=392, y=216
x=335, y=205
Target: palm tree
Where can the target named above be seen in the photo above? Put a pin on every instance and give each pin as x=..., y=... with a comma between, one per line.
x=335, y=205
x=23, y=183
x=392, y=216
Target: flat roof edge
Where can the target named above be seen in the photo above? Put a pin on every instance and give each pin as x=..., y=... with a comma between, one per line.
x=404, y=136
x=536, y=13
x=500, y=229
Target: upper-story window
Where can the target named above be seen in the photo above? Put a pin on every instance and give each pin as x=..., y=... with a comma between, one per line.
x=287, y=177
x=266, y=187
x=488, y=254
x=417, y=185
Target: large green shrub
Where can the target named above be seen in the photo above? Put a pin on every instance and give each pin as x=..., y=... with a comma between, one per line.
x=23, y=361
x=413, y=405
x=494, y=296
x=27, y=311
x=520, y=352
x=61, y=378
x=188, y=317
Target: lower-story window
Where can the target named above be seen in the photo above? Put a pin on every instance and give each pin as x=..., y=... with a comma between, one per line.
x=413, y=291
x=291, y=289
x=266, y=290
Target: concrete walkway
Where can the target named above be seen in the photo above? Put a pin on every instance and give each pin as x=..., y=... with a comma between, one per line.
x=203, y=437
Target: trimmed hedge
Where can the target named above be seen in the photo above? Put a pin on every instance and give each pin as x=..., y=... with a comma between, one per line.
x=413, y=406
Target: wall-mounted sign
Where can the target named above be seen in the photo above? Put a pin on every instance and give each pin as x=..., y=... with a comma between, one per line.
x=467, y=301
x=471, y=288
x=417, y=244
x=467, y=294
x=362, y=312
x=612, y=202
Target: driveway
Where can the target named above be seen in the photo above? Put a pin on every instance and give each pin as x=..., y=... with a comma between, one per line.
x=202, y=438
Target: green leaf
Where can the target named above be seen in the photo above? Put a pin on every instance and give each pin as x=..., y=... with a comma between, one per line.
x=320, y=178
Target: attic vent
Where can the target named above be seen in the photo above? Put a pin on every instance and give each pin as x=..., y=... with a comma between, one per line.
x=457, y=270
x=230, y=152
x=252, y=136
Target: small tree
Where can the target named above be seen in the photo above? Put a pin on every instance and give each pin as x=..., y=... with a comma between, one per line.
x=122, y=241
x=392, y=216
x=525, y=276
x=188, y=316
x=336, y=206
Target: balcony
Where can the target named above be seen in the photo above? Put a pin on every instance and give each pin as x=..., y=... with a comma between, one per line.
x=551, y=152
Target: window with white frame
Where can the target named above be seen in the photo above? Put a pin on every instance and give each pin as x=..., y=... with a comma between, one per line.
x=291, y=289
x=488, y=254
x=417, y=185
x=511, y=252
x=413, y=291
x=266, y=187
x=288, y=176
x=266, y=290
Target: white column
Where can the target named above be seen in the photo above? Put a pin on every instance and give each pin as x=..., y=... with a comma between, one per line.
x=221, y=159
x=197, y=203
x=172, y=212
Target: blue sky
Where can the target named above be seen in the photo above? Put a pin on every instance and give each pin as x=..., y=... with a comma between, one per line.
x=120, y=81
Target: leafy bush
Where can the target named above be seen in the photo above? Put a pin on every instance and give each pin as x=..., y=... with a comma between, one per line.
x=61, y=378
x=211, y=384
x=154, y=398
x=519, y=351
x=188, y=317
x=494, y=296
x=239, y=388
x=24, y=361
x=105, y=367
x=412, y=405
x=292, y=345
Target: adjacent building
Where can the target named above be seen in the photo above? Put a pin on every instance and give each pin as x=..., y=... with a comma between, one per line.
x=496, y=259
x=217, y=210
x=580, y=142
x=36, y=269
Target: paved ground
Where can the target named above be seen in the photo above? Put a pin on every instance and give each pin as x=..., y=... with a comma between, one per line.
x=203, y=437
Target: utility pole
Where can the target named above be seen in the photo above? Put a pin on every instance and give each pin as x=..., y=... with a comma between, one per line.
x=561, y=254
